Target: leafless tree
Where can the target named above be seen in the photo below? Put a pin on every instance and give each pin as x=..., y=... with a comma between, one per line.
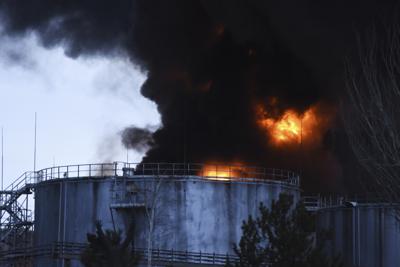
x=372, y=110
x=152, y=196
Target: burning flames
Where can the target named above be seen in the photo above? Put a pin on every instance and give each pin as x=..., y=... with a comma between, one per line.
x=222, y=172
x=291, y=127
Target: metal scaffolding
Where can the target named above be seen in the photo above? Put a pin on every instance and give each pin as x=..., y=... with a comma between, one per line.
x=16, y=219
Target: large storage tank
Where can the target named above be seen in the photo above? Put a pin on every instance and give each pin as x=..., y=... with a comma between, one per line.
x=196, y=208
x=363, y=234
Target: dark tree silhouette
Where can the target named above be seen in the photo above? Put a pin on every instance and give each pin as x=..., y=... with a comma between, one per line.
x=106, y=248
x=283, y=236
x=371, y=110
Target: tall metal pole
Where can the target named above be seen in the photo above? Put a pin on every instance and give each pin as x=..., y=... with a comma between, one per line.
x=2, y=159
x=2, y=177
x=301, y=146
x=34, y=146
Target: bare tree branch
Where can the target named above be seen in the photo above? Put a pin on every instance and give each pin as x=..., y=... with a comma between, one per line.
x=372, y=110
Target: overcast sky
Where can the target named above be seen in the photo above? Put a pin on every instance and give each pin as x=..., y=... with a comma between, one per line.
x=82, y=105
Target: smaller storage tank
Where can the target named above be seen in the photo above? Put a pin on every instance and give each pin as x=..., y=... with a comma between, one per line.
x=363, y=234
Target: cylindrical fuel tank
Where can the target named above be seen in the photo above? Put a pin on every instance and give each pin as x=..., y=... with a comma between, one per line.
x=364, y=235
x=186, y=213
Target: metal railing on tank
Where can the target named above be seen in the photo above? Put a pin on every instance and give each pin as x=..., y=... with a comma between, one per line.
x=69, y=250
x=232, y=173
x=162, y=255
x=316, y=202
x=20, y=182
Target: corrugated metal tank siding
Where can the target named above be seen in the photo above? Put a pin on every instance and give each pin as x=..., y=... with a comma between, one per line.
x=75, y=204
x=205, y=215
x=191, y=214
x=365, y=236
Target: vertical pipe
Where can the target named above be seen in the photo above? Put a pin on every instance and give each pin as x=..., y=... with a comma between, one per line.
x=59, y=217
x=353, y=236
x=64, y=220
x=382, y=236
x=65, y=210
x=358, y=236
x=26, y=220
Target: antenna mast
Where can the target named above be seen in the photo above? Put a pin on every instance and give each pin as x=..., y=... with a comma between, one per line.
x=34, y=146
x=301, y=145
x=2, y=159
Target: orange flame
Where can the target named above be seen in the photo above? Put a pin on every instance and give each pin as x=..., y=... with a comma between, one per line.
x=223, y=172
x=291, y=127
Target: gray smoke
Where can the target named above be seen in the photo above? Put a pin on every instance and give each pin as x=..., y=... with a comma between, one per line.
x=139, y=139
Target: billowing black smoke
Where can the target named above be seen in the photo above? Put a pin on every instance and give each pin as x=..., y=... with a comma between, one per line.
x=210, y=62
x=138, y=139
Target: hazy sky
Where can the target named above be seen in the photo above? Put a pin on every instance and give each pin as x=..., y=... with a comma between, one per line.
x=82, y=105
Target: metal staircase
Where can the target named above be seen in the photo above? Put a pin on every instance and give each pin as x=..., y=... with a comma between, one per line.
x=16, y=220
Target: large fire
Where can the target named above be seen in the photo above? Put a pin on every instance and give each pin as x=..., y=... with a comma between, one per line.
x=291, y=127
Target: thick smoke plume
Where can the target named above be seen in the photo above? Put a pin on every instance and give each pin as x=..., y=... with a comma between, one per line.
x=210, y=63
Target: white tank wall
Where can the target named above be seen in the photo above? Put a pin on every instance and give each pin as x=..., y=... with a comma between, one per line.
x=365, y=236
x=75, y=204
x=206, y=215
x=191, y=214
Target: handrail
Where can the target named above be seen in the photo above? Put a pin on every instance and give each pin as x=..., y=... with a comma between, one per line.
x=73, y=251
x=207, y=172
x=317, y=202
x=204, y=171
x=21, y=181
